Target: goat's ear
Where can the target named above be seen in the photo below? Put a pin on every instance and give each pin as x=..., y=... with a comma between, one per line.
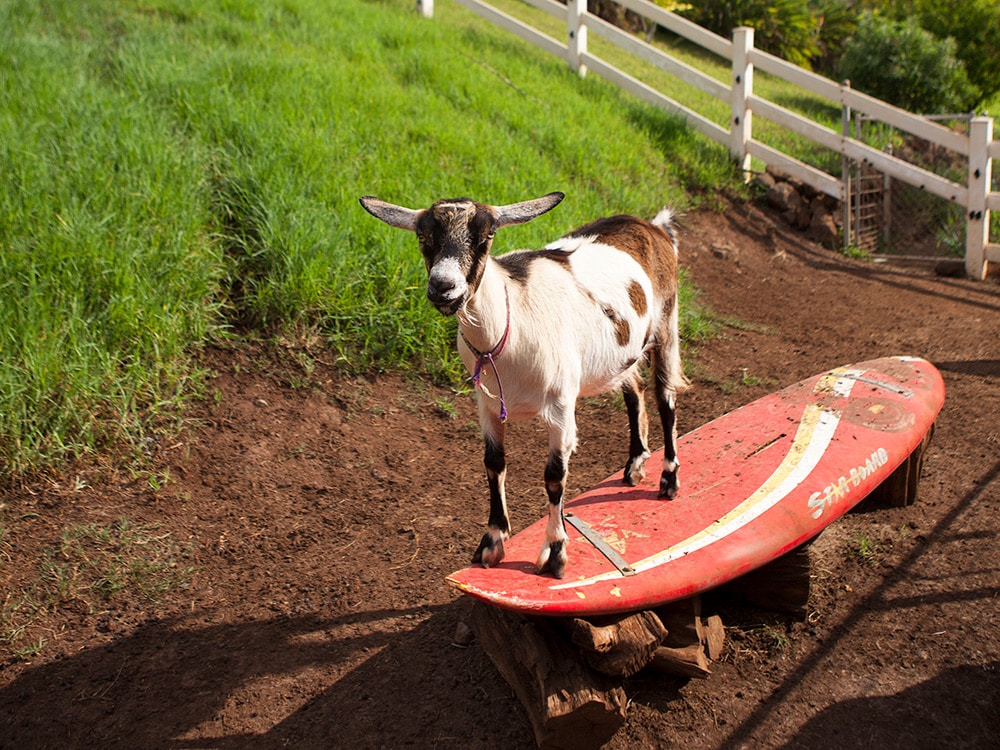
x=518, y=213
x=395, y=216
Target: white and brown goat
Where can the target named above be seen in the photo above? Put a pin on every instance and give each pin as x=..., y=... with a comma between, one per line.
x=538, y=329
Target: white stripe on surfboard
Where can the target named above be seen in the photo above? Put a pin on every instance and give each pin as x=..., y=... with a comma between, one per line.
x=813, y=437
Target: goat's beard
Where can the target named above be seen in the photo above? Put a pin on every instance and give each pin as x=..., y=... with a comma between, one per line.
x=465, y=316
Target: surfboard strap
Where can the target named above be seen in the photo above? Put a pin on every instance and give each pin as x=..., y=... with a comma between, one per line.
x=599, y=544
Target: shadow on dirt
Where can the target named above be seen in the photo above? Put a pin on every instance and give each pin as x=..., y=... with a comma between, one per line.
x=171, y=678
x=963, y=700
x=958, y=708
x=764, y=230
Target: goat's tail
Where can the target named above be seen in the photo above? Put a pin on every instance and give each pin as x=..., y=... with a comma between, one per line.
x=665, y=221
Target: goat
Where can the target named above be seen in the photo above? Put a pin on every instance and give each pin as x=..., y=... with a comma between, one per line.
x=538, y=329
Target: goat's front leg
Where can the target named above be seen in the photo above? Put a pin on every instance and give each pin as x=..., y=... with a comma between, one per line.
x=490, y=550
x=562, y=442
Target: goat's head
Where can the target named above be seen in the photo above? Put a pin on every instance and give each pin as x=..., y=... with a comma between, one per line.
x=455, y=238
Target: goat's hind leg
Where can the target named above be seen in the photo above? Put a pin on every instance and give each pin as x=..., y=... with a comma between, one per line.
x=633, y=390
x=669, y=380
x=490, y=551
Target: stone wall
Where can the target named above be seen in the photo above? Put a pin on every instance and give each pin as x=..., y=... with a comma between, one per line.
x=816, y=214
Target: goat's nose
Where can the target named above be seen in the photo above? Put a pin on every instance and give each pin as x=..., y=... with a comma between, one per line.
x=441, y=289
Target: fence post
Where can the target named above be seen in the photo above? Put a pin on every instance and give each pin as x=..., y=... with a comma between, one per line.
x=426, y=8
x=977, y=217
x=577, y=33
x=846, y=169
x=742, y=91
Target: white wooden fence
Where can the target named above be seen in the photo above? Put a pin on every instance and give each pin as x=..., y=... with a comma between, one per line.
x=978, y=146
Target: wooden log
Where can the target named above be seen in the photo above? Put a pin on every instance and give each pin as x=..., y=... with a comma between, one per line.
x=689, y=661
x=618, y=646
x=782, y=585
x=915, y=466
x=894, y=490
x=682, y=619
x=691, y=641
x=901, y=487
x=568, y=704
x=713, y=637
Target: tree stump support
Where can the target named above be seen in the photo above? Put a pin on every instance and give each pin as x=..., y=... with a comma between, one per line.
x=567, y=672
x=900, y=489
x=568, y=704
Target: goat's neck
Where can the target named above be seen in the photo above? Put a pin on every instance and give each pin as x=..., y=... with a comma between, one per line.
x=483, y=321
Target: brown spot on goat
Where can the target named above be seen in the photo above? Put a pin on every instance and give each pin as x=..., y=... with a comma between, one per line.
x=623, y=332
x=645, y=242
x=637, y=297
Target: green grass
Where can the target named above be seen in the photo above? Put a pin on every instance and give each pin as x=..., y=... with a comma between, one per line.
x=177, y=170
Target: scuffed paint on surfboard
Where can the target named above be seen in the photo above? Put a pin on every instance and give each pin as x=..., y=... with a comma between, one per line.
x=755, y=483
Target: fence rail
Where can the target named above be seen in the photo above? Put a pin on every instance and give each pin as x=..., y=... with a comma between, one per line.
x=975, y=197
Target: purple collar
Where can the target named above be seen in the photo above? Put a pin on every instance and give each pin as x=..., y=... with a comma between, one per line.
x=490, y=357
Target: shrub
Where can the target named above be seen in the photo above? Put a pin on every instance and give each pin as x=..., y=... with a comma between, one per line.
x=902, y=63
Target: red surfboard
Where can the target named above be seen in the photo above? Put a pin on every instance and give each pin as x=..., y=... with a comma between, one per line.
x=755, y=483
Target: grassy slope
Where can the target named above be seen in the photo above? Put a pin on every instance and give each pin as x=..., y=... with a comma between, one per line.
x=170, y=168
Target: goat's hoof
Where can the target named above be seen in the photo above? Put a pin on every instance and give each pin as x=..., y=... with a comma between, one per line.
x=553, y=559
x=635, y=469
x=668, y=485
x=490, y=551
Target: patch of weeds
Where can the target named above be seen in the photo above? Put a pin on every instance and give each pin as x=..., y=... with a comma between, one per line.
x=298, y=451
x=92, y=566
x=445, y=407
x=29, y=650
x=866, y=550
x=4, y=540
x=738, y=324
x=353, y=399
x=307, y=363
x=758, y=643
x=769, y=639
x=104, y=560
x=856, y=253
x=732, y=385
x=158, y=480
x=775, y=640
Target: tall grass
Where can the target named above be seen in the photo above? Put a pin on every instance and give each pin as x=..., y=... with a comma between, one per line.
x=106, y=272
x=174, y=169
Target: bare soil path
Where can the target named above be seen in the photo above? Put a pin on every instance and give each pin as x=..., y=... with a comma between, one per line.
x=311, y=520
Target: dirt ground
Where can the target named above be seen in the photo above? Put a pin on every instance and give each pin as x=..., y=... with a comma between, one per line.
x=304, y=523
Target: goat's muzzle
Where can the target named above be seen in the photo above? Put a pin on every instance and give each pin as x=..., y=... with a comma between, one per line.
x=448, y=308
x=445, y=295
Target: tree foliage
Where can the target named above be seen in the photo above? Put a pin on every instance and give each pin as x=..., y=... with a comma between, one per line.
x=906, y=65
x=786, y=28
x=818, y=33
x=974, y=25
